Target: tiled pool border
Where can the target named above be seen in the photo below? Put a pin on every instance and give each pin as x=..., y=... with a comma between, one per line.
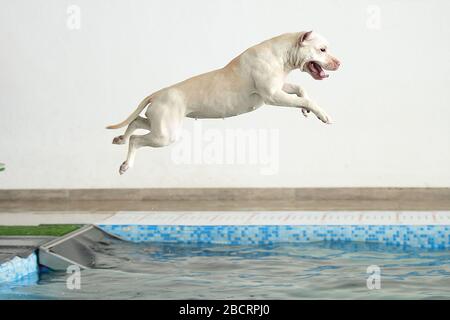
x=18, y=268
x=429, y=230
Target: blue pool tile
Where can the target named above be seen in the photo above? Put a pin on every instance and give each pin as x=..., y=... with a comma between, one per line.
x=419, y=236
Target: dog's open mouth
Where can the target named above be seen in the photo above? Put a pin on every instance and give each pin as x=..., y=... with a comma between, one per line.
x=316, y=71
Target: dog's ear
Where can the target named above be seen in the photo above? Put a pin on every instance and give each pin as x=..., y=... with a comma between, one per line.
x=304, y=36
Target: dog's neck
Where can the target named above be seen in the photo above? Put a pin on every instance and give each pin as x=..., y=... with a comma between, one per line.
x=293, y=58
x=287, y=48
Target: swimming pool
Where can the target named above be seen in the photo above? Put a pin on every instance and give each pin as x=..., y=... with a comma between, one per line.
x=264, y=255
x=323, y=270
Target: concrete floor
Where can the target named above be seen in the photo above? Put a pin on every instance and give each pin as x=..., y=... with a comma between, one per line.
x=19, y=212
x=20, y=246
x=222, y=205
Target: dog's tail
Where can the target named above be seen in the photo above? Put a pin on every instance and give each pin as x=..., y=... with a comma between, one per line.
x=134, y=115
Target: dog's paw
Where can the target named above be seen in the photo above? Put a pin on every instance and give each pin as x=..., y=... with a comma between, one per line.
x=324, y=118
x=118, y=140
x=123, y=167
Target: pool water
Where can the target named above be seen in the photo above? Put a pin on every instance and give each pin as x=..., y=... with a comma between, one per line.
x=324, y=270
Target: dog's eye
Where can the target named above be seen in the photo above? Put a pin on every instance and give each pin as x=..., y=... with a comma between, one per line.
x=323, y=49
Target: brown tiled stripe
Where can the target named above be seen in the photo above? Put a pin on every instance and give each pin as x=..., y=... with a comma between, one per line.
x=229, y=194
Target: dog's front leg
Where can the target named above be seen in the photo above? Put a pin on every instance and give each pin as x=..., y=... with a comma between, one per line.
x=299, y=91
x=283, y=99
x=295, y=89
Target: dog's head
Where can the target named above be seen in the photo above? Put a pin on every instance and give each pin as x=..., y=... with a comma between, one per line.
x=316, y=57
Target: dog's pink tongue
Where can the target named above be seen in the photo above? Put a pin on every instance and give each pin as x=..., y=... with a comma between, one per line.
x=317, y=67
x=323, y=74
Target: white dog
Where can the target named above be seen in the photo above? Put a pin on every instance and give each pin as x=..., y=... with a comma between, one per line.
x=254, y=78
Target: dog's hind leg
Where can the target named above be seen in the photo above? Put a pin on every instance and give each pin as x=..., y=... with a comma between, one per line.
x=148, y=140
x=164, y=132
x=138, y=123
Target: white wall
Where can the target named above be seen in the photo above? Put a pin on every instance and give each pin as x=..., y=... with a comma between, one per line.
x=60, y=87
